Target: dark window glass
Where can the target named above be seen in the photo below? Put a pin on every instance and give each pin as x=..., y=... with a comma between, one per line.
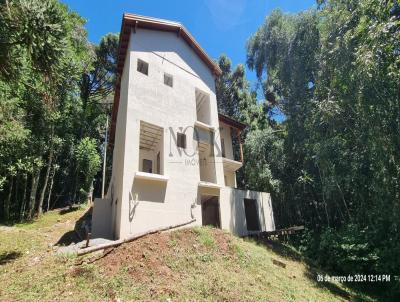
x=168, y=80
x=181, y=140
x=147, y=166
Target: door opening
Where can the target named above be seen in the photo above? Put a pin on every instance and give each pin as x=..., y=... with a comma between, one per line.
x=210, y=210
x=251, y=212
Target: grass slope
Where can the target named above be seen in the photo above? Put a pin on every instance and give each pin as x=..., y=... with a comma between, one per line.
x=199, y=264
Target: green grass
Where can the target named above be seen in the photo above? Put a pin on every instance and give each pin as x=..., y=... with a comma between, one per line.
x=199, y=264
x=205, y=237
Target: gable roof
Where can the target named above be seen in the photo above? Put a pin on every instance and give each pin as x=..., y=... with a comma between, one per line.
x=130, y=22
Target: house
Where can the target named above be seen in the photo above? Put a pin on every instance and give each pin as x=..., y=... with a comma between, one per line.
x=173, y=154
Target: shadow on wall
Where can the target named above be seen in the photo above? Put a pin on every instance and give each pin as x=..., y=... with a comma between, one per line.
x=133, y=203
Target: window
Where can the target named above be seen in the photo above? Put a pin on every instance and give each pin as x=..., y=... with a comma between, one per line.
x=250, y=209
x=142, y=67
x=168, y=80
x=147, y=166
x=181, y=140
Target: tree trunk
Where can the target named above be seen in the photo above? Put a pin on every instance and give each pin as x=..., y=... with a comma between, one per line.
x=16, y=195
x=7, y=201
x=50, y=189
x=32, y=197
x=46, y=179
x=23, y=201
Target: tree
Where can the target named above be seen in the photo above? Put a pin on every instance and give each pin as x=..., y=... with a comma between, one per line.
x=234, y=97
x=44, y=53
x=334, y=73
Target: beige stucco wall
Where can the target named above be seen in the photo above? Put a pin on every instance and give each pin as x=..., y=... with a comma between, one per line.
x=139, y=205
x=106, y=219
x=149, y=100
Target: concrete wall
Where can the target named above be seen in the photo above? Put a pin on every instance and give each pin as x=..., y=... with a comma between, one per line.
x=233, y=216
x=230, y=179
x=101, y=223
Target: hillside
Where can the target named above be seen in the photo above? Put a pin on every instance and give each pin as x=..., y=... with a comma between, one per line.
x=201, y=264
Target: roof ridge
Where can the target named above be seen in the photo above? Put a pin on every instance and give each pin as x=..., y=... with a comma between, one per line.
x=147, y=18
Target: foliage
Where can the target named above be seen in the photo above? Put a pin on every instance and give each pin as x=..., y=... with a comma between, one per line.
x=335, y=72
x=234, y=97
x=45, y=114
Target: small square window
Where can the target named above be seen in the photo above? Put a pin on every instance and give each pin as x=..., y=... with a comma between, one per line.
x=181, y=140
x=147, y=166
x=168, y=80
x=142, y=67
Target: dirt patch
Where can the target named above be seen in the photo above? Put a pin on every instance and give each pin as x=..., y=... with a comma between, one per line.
x=223, y=240
x=151, y=259
x=81, y=272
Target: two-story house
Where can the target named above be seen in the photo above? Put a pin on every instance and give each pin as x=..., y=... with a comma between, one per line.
x=173, y=157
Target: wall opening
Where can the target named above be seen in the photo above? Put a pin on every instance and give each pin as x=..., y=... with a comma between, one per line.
x=143, y=67
x=210, y=210
x=206, y=162
x=168, y=80
x=203, y=108
x=251, y=212
x=151, y=149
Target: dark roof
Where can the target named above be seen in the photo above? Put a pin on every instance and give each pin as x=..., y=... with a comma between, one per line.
x=231, y=122
x=130, y=22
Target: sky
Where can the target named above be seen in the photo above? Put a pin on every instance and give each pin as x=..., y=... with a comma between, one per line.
x=220, y=26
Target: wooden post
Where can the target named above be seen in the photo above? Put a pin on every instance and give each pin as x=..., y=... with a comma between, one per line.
x=94, y=248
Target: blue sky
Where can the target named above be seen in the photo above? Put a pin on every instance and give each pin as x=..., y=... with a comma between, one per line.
x=220, y=26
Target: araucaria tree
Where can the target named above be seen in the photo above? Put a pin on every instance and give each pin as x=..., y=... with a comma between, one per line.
x=52, y=84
